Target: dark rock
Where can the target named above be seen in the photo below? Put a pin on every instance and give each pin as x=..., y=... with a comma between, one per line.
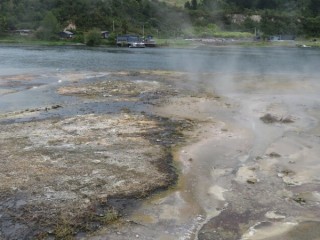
x=274, y=155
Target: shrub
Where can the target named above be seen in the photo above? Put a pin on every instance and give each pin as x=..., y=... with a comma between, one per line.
x=112, y=39
x=93, y=37
x=79, y=38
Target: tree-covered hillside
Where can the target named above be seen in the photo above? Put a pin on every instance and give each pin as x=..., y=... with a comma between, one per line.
x=271, y=17
x=121, y=16
x=166, y=18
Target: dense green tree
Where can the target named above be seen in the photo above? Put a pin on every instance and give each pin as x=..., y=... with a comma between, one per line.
x=311, y=26
x=314, y=7
x=124, y=26
x=194, y=4
x=3, y=24
x=187, y=5
x=263, y=4
x=93, y=37
x=49, y=27
x=242, y=4
x=272, y=24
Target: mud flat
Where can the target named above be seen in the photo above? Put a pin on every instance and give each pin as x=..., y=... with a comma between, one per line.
x=65, y=167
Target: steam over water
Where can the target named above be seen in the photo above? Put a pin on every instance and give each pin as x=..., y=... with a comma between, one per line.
x=50, y=64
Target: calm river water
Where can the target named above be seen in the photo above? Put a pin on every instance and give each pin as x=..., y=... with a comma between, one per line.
x=260, y=60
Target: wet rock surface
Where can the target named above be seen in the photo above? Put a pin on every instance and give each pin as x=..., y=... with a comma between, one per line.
x=228, y=225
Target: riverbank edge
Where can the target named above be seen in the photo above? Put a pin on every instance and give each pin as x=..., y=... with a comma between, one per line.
x=177, y=43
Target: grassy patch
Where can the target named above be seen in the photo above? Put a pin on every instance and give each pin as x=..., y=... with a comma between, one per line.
x=233, y=35
x=32, y=41
x=178, y=42
x=108, y=217
x=64, y=230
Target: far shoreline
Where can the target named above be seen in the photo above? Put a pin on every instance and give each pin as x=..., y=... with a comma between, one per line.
x=177, y=43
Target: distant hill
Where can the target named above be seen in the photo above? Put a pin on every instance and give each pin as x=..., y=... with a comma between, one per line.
x=175, y=18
